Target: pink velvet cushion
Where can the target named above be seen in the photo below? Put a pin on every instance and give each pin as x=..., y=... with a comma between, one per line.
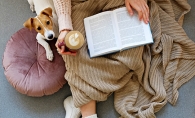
x=28, y=70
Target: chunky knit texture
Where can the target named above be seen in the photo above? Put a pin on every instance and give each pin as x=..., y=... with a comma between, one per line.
x=142, y=79
x=63, y=10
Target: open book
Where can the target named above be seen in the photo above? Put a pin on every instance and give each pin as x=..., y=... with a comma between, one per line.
x=116, y=30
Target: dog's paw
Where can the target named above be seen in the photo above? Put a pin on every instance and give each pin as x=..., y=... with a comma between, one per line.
x=49, y=55
x=32, y=7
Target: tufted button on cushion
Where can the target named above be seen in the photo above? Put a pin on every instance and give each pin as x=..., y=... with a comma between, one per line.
x=26, y=67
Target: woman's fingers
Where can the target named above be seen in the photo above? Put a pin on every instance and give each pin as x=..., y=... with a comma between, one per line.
x=62, y=49
x=140, y=13
x=148, y=12
x=145, y=14
x=61, y=46
x=140, y=6
x=60, y=41
x=128, y=6
x=69, y=53
x=57, y=43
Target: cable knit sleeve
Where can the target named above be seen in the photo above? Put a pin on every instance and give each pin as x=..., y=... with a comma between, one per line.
x=63, y=10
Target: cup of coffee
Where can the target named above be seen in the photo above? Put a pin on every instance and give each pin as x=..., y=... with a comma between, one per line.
x=73, y=41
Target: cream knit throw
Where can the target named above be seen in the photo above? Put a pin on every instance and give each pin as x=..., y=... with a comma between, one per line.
x=143, y=79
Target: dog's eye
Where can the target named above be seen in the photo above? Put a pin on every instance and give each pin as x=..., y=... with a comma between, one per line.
x=47, y=22
x=39, y=28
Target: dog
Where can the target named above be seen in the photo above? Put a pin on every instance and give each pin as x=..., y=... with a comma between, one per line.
x=45, y=23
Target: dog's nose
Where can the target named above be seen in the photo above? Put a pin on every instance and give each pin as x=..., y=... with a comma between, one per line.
x=50, y=36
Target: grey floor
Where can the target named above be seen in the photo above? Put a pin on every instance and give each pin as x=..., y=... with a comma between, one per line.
x=13, y=13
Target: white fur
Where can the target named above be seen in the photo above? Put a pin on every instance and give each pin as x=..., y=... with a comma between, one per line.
x=37, y=6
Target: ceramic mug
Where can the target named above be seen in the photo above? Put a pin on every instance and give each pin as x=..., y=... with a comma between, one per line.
x=74, y=40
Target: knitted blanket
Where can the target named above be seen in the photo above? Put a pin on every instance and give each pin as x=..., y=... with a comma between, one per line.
x=142, y=79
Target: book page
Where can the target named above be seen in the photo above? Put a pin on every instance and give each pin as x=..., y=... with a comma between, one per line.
x=133, y=32
x=100, y=33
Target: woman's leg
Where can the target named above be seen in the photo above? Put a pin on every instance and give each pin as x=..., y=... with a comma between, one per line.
x=88, y=109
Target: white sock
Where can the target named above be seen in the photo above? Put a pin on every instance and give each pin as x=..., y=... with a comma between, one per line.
x=92, y=116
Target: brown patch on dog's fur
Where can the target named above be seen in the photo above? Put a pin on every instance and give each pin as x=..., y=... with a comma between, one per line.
x=45, y=19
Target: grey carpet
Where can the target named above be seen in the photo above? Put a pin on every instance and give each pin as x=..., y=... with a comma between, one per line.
x=13, y=13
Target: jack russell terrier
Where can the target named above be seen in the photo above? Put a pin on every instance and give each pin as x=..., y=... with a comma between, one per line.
x=45, y=23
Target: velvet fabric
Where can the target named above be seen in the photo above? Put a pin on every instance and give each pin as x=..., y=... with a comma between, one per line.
x=26, y=67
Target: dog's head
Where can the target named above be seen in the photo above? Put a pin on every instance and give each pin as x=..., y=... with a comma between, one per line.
x=42, y=23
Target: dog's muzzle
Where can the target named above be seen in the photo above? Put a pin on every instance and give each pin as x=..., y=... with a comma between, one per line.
x=49, y=35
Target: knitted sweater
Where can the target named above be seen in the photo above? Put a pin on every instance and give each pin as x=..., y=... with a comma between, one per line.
x=63, y=10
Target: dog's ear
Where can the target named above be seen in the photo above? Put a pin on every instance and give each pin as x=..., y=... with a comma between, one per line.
x=29, y=23
x=47, y=11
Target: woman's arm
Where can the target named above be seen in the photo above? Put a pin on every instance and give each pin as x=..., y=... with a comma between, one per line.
x=63, y=10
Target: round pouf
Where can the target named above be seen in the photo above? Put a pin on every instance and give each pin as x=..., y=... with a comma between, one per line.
x=27, y=68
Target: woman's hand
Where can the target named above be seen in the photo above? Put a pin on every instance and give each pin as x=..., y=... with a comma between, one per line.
x=140, y=6
x=61, y=48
